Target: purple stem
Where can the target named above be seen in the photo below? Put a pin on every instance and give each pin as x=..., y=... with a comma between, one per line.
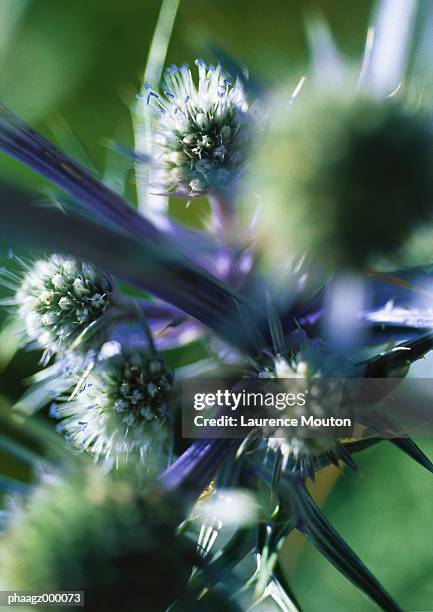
x=24, y=144
x=27, y=146
x=193, y=470
x=224, y=214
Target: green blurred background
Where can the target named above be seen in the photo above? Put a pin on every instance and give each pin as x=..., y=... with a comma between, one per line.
x=78, y=65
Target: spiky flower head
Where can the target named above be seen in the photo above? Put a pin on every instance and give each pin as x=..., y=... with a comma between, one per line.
x=344, y=177
x=113, y=539
x=201, y=132
x=122, y=407
x=324, y=399
x=58, y=298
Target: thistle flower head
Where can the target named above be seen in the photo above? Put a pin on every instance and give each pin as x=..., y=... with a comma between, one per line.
x=122, y=406
x=346, y=178
x=58, y=298
x=114, y=539
x=201, y=131
x=324, y=399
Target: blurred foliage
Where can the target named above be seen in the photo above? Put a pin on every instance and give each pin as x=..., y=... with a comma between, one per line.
x=367, y=509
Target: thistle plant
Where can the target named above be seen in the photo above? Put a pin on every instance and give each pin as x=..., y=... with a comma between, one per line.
x=121, y=406
x=101, y=534
x=310, y=361
x=343, y=176
x=336, y=155
x=201, y=132
x=56, y=299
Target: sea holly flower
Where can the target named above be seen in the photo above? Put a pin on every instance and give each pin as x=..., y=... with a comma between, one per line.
x=351, y=177
x=201, y=131
x=120, y=409
x=186, y=287
x=172, y=264
x=299, y=363
x=199, y=294
x=58, y=298
x=113, y=538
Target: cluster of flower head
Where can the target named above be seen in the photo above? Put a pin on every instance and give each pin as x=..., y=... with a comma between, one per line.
x=119, y=406
x=201, y=133
x=122, y=404
x=343, y=177
x=58, y=298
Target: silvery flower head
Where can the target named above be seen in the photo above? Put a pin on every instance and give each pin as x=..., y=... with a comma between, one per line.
x=122, y=407
x=58, y=298
x=201, y=132
x=323, y=394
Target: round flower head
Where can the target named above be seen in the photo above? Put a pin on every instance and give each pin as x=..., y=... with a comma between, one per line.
x=324, y=399
x=58, y=298
x=113, y=539
x=345, y=178
x=122, y=407
x=201, y=133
